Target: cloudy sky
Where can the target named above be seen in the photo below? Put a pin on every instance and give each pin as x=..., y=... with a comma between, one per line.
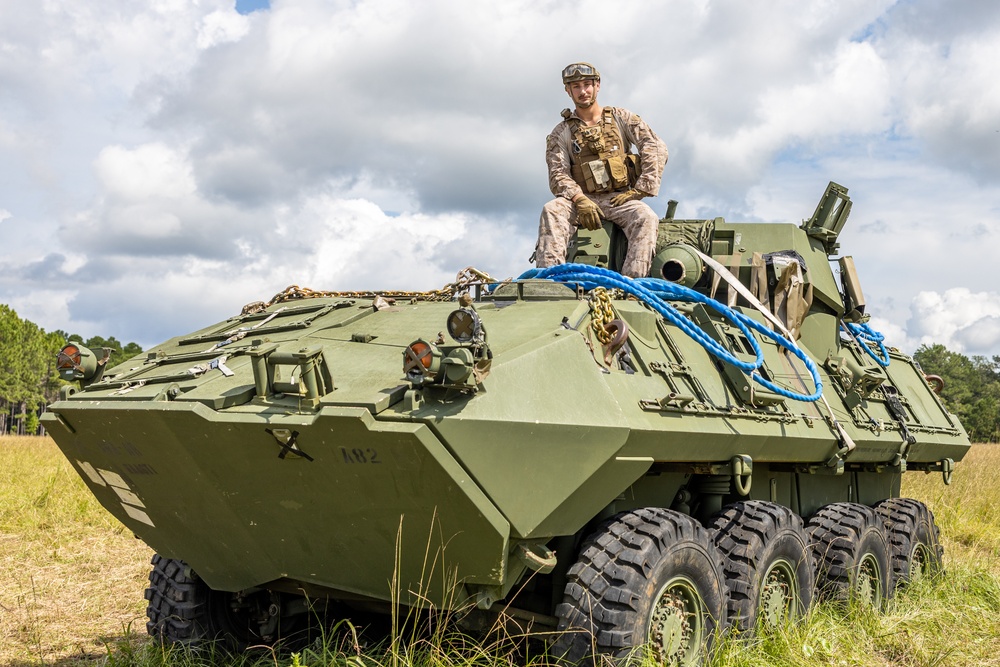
x=164, y=162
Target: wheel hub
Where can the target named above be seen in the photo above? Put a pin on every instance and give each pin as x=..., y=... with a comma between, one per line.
x=920, y=562
x=676, y=624
x=777, y=595
x=867, y=583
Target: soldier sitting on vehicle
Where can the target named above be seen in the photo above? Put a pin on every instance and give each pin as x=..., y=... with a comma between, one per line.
x=593, y=174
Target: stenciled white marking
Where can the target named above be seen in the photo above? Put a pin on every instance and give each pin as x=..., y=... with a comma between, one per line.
x=130, y=501
x=127, y=496
x=113, y=478
x=138, y=514
x=91, y=472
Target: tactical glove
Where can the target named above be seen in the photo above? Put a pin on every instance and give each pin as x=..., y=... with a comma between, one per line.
x=587, y=213
x=623, y=197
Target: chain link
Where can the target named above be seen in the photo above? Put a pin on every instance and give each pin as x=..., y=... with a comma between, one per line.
x=466, y=278
x=601, y=313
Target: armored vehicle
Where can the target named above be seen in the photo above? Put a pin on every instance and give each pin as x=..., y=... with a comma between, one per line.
x=623, y=464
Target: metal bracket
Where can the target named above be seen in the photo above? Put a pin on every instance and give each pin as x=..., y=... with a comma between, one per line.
x=742, y=466
x=536, y=557
x=947, y=468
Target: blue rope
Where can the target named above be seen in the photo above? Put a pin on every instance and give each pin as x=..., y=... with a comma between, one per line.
x=866, y=333
x=655, y=293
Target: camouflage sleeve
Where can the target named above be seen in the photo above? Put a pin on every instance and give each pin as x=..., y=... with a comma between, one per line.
x=652, y=150
x=557, y=147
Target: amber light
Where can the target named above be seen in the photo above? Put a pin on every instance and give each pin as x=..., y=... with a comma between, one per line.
x=69, y=358
x=421, y=361
x=417, y=353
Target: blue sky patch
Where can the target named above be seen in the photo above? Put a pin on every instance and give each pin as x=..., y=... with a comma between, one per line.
x=248, y=6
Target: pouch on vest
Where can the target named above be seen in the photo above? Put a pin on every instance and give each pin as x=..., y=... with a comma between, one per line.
x=618, y=171
x=596, y=176
x=593, y=138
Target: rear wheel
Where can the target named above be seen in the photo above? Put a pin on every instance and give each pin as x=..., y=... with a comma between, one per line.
x=769, y=569
x=852, y=553
x=649, y=576
x=915, y=549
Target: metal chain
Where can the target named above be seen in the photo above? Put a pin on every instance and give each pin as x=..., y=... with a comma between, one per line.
x=466, y=278
x=601, y=313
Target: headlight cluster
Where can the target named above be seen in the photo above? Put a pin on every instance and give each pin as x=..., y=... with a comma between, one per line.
x=460, y=366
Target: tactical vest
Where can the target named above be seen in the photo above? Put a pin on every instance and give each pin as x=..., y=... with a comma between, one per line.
x=598, y=159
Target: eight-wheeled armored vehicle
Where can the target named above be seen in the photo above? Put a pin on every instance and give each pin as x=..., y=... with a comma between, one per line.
x=624, y=463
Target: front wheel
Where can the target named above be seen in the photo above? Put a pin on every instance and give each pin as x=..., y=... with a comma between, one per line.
x=183, y=609
x=646, y=577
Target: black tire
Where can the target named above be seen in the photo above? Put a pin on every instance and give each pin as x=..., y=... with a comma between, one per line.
x=915, y=549
x=769, y=568
x=852, y=553
x=646, y=576
x=183, y=610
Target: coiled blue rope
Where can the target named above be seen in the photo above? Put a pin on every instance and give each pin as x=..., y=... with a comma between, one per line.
x=866, y=333
x=655, y=293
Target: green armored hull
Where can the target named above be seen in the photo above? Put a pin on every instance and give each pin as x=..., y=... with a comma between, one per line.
x=371, y=450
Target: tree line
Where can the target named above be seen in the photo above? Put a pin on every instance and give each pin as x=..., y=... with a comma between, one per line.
x=971, y=388
x=28, y=377
x=29, y=381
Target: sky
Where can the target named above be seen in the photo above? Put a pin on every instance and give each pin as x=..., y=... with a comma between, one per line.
x=163, y=163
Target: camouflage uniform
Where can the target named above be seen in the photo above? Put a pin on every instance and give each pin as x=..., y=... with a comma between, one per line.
x=637, y=220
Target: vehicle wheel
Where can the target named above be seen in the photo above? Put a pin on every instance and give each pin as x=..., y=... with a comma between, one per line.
x=915, y=549
x=647, y=576
x=182, y=609
x=769, y=568
x=851, y=552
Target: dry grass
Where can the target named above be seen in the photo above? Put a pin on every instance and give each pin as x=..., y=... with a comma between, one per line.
x=968, y=511
x=72, y=576
x=72, y=580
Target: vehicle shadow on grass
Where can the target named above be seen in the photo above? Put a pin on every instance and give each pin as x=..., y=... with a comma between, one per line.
x=119, y=650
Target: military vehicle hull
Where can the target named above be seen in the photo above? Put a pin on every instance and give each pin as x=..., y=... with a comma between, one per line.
x=323, y=447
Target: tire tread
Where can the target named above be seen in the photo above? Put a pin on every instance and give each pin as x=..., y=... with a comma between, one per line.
x=600, y=608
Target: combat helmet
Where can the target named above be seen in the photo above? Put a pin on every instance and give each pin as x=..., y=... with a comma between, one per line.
x=579, y=72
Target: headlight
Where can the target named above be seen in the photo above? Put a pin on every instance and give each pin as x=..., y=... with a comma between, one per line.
x=464, y=326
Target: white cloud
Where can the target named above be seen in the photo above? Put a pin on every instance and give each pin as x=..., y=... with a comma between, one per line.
x=47, y=307
x=178, y=155
x=323, y=241
x=980, y=337
x=221, y=27
x=959, y=318
x=847, y=95
x=942, y=58
x=147, y=171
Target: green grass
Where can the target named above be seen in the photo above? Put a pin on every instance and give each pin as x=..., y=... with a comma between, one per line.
x=71, y=582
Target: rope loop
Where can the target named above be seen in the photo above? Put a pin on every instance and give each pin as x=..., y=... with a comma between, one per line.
x=657, y=293
x=864, y=333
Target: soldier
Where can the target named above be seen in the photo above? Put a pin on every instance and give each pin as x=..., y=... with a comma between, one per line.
x=593, y=174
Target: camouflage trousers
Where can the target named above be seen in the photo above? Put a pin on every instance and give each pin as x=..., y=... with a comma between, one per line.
x=637, y=220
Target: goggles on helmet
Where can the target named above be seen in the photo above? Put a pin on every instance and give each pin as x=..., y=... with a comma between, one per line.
x=579, y=72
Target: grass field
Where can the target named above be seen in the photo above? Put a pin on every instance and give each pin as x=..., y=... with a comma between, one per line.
x=72, y=577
